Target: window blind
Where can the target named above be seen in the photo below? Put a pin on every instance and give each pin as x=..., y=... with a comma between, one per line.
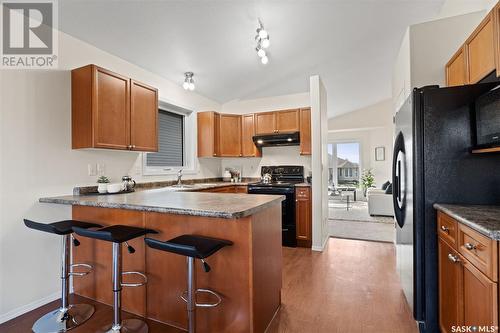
x=170, y=141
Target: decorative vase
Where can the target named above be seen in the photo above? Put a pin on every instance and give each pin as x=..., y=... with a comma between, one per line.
x=102, y=188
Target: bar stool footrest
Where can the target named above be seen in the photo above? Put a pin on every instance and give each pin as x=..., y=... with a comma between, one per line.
x=138, y=284
x=90, y=268
x=204, y=305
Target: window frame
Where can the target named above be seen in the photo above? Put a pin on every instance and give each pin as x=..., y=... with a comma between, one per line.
x=190, y=164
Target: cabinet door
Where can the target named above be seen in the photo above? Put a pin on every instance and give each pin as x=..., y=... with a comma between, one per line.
x=248, y=148
x=208, y=134
x=111, y=121
x=496, y=32
x=143, y=117
x=305, y=131
x=481, y=50
x=265, y=123
x=479, y=297
x=230, y=135
x=303, y=217
x=456, y=69
x=450, y=288
x=287, y=121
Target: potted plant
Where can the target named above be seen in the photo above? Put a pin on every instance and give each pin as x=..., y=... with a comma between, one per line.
x=367, y=180
x=102, y=184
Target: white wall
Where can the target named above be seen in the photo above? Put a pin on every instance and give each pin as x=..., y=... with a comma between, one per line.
x=371, y=127
x=274, y=103
x=37, y=160
x=425, y=50
x=460, y=7
x=270, y=155
x=319, y=164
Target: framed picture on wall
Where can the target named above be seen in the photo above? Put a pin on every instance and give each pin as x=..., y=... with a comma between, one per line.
x=380, y=154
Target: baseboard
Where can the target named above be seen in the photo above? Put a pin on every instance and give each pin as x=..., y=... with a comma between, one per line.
x=322, y=247
x=28, y=307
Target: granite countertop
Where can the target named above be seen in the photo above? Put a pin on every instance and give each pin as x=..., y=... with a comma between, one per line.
x=483, y=219
x=184, y=203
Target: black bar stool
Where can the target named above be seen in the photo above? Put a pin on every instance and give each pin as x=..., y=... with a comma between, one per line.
x=192, y=246
x=68, y=315
x=118, y=234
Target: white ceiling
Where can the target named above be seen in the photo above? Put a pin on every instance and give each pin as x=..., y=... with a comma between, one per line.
x=351, y=44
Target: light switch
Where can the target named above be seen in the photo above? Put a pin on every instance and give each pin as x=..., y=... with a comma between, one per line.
x=92, y=169
x=101, y=169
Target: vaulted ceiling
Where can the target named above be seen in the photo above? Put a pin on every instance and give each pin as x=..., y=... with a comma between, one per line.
x=351, y=44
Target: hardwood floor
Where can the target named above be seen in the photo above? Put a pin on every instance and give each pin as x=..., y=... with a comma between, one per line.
x=352, y=287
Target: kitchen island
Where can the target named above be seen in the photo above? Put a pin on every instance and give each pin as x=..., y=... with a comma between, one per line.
x=247, y=274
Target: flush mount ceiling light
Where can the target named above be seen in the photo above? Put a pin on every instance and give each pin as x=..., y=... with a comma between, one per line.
x=188, y=81
x=263, y=42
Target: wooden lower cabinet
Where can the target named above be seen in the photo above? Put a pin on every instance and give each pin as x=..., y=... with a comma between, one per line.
x=467, y=297
x=450, y=291
x=228, y=189
x=303, y=216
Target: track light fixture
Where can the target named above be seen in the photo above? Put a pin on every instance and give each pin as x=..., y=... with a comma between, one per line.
x=188, y=81
x=263, y=43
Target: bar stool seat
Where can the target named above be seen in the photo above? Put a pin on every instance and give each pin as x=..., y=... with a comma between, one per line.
x=199, y=247
x=118, y=234
x=68, y=316
x=192, y=246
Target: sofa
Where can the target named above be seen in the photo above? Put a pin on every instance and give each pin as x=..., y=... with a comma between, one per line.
x=379, y=202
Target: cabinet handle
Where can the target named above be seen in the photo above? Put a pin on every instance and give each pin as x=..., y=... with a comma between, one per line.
x=447, y=230
x=453, y=258
x=470, y=246
x=129, y=147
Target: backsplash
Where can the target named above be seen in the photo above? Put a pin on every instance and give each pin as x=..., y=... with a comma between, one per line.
x=288, y=155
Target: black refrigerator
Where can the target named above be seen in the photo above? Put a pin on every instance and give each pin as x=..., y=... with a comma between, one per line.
x=432, y=163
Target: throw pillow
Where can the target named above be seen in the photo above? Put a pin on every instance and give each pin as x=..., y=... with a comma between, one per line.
x=385, y=185
x=388, y=190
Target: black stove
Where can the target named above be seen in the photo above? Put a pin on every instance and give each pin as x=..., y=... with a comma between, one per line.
x=283, y=180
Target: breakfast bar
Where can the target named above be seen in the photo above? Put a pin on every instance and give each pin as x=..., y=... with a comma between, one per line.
x=247, y=274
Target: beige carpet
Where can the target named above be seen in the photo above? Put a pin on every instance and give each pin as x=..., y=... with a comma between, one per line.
x=356, y=223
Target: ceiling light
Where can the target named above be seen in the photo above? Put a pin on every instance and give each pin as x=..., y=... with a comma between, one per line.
x=262, y=39
x=188, y=81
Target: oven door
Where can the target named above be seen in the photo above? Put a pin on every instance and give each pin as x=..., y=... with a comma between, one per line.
x=288, y=226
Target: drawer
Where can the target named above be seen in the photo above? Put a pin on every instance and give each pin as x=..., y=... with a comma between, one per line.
x=480, y=250
x=447, y=229
x=303, y=193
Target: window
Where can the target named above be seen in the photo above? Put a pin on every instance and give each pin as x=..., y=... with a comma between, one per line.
x=176, y=142
x=170, y=141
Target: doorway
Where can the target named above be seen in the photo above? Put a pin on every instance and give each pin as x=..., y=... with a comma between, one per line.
x=347, y=205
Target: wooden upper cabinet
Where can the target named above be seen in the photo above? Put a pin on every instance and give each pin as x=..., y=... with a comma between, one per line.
x=111, y=110
x=208, y=134
x=450, y=288
x=287, y=121
x=481, y=50
x=305, y=131
x=102, y=115
x=496, y=19
x=456, y=69
x=230, y=135
x=265, y=123
x=143, y=117
x=248, y=148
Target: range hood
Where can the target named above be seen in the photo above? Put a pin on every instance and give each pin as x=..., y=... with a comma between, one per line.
x=280, y=139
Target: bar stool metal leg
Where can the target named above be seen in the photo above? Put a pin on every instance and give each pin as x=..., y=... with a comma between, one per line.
x=119, y=325
x=67, y=316
x=191, y=295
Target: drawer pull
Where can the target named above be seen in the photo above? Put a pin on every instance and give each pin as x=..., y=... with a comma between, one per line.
x=470, y=246
x=453, y=258
x=445, y=229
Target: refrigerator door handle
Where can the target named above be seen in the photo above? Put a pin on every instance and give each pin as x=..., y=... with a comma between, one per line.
x=398, y=179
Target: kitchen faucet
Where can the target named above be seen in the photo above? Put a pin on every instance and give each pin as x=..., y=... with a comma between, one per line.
x=179, y=178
